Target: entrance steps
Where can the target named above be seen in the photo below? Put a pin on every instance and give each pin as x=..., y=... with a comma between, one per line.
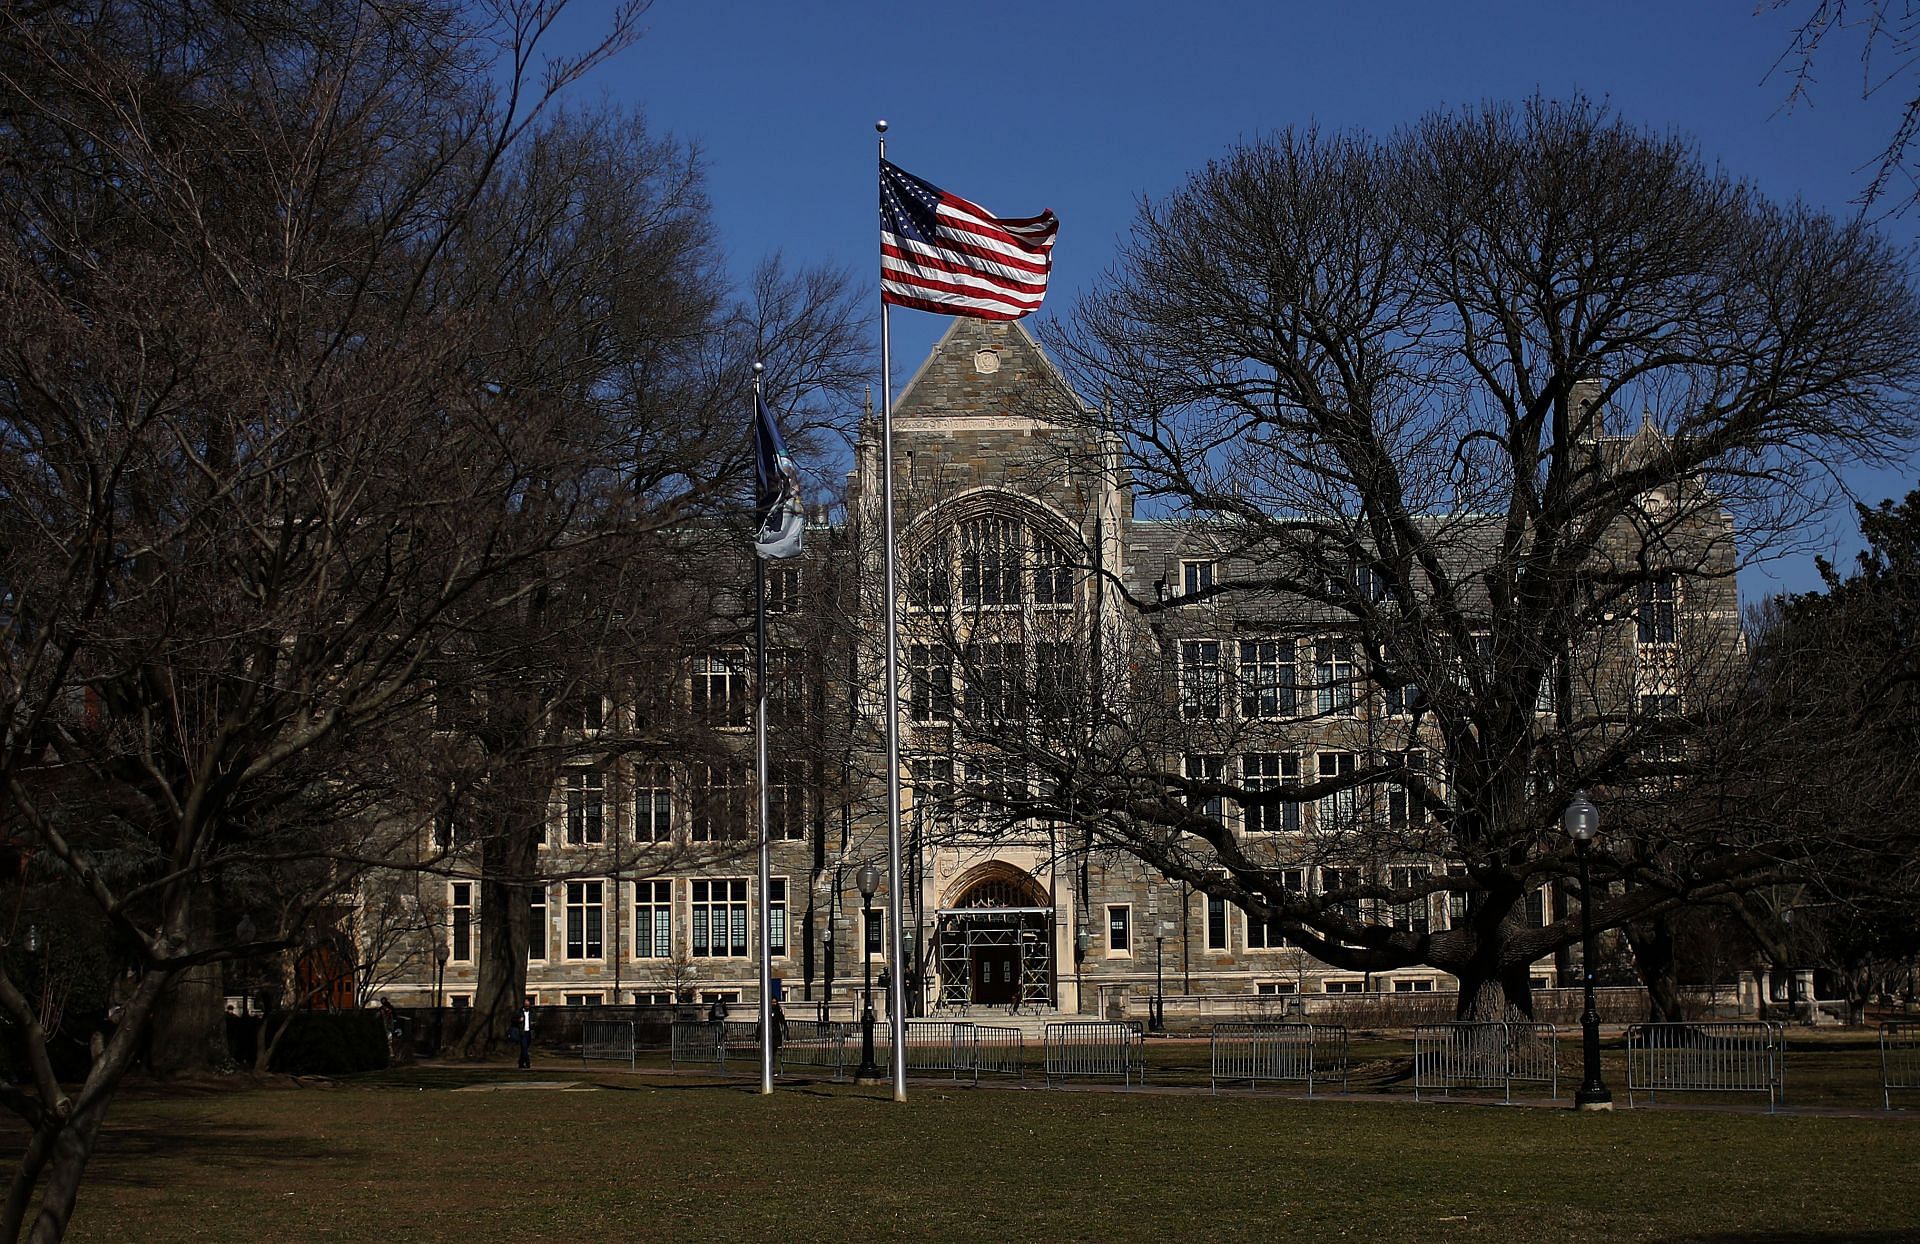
x=1032, y=1024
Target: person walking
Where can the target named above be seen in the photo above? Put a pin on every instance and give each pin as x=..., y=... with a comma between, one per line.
x=525, y=1035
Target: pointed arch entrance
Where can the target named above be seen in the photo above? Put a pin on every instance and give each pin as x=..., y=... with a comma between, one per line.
x=995, y=940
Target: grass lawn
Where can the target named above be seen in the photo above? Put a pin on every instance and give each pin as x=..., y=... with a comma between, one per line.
x=648, y=1156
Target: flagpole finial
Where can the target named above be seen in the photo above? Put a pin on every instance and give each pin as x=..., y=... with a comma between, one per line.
x=758, y=368
x=881, y=125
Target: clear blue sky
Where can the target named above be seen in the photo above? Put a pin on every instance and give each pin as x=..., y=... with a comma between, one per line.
x=1083, y=107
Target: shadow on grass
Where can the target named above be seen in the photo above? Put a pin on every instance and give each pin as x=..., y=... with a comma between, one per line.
x=140, y=1155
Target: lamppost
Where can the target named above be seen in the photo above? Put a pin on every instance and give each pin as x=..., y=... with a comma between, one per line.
x=868, y=879
x=440, y=955
x=1157, y=1014
x=1582, y=822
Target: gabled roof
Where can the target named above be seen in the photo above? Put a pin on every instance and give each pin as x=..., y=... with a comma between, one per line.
x=983, y=369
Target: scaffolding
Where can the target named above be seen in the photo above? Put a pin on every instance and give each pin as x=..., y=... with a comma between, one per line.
x=962, y=931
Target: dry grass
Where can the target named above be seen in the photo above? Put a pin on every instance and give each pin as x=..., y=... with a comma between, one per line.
x=654, y=1156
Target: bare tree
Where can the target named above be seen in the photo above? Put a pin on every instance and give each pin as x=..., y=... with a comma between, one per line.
x=1887, y=36
x=1373, y=380
x=333, y=377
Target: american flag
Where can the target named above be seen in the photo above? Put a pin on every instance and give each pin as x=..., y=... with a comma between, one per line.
x=940, y=253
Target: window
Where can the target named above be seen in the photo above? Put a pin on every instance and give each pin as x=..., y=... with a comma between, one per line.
x=1407, y=806
x=460, y=920
x=1195, y=577
x=719, y=802
x=1206, y=769
x=1405, y=700
x=930, y=582
x=786, y=687
x=586, y=807
x=1457, y=900
x=1338, y=881
x=1216, y=923
x=1052, y=573
x=1410, y=917
x=1200, y=679
x=989, y=561
x=786, y=802
x=1336, y=809
x=1422, y=985
x=653, y=919
x=1659, y=704
x=1271, y=771
x=1657, y=598
x=1267, y=678
x=587, y=713
x=720, y=688
x=996, y=784
x=993, y=683
x=652, y=997
x=1272, y=934
x=875, y=939
x=460, y=1001
x=1346, y=986
x=1368, y=583
x=1119, y=929
x=719, y=917
x=783, y=588
x=585, y=916
x=777, y=916
x=583, y=999
x=1537, y=907
x=933, y=792
x=537, y=924
x=1055, y=678
x=929, y=683
x=1333, y=676
x=446, y=829
x=1274, y=987
x=653, y=804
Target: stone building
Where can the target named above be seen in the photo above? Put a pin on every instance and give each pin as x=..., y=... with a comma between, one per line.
x=1018, y=547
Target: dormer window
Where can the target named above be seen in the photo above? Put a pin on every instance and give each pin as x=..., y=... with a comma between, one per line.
x=1195, y=577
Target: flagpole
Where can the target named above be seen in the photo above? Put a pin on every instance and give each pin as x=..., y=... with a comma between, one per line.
x=897, y=985
x=760, y=765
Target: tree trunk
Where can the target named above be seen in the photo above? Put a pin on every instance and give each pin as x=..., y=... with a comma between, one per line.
x=1652, y=943
x=1496, y=993
x=507, y=858
x=25, y=1176
x=189, y=1022
x=72, y=1149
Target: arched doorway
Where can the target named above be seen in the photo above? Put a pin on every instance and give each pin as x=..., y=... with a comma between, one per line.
x=995, y=940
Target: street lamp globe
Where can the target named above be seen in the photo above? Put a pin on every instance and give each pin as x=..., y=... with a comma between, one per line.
x=1581, y=820
x=868, y=879
x=442, y=953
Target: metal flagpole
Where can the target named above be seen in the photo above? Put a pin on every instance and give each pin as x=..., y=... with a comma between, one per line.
x=897, y=986
x=760, y=764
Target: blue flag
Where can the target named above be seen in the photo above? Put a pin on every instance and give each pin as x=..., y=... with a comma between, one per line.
x=782, y=516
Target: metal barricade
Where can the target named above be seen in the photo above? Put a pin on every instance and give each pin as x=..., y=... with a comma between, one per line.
x=1707, y=1058
x=998, y=1051
x=1899, y=1059
x=810, y=1043
x=938, y=1047
x=1254, y=1053
x=698, y=1041
x=1095, y=1048
x=1492, y=1055
x=714, y=1042
x=610, y=1039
